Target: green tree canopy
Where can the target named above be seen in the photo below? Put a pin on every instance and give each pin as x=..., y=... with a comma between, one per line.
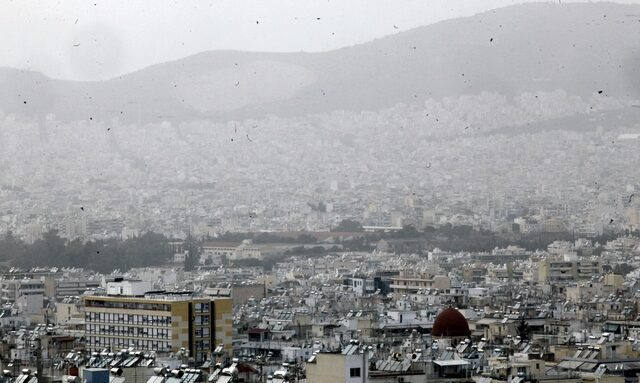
x=349, y=226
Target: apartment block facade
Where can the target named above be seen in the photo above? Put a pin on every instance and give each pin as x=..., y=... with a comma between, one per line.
x=159, y=322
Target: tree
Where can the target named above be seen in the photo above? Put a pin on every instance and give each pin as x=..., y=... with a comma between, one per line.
x=407, y=231
x=623, y=269
x=102, y=256
x=10, y=247
x=349, y=226
x=523, y=329
x=193, y=254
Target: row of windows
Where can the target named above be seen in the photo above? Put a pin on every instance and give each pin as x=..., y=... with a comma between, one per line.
x=150, y=320
x=31, y=287
x=138, y=344
x=411, y=283
x=202, y=307
x=129, y=331
x=128, y=305
x=202, y=344
x=201, y=320
x=219, y=252
x=202, y=332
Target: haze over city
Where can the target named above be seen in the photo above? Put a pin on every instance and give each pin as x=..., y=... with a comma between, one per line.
x=319, y=191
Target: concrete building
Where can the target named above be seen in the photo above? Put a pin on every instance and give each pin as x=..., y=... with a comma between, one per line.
x=349, y=366
x=160, y=322
x=12, y=289
x=129, y=288
x=410, y=283
x=568, y=270
x=59, y=288
x=240, y=293
x=214, y=250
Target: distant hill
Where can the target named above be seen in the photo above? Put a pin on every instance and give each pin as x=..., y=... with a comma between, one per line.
x=581, y=48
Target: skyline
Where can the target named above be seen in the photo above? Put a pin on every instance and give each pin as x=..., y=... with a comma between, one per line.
x=98, y=41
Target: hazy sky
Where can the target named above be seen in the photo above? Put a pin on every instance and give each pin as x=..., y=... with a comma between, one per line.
x=97, y=39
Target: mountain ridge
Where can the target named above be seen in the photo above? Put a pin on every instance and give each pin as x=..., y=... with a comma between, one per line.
x=582, y=48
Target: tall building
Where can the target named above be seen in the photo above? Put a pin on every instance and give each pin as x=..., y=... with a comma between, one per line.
x=158, y=321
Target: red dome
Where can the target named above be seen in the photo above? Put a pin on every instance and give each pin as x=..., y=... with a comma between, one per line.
x=450, y=323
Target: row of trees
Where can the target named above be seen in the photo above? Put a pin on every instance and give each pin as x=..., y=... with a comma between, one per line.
x=102, y=256
x=152, y=249
x=446, y=237
x=467, y=238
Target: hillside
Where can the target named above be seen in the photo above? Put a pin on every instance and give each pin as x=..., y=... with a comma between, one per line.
x=581, y=48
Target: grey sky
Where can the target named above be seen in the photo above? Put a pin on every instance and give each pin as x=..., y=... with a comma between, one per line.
x=97, y=39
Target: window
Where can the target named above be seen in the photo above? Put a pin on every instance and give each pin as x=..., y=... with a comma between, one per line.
x=354, y=372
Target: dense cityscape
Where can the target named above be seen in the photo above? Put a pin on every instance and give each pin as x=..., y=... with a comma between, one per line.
x=422, y=165
x=449, y=194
